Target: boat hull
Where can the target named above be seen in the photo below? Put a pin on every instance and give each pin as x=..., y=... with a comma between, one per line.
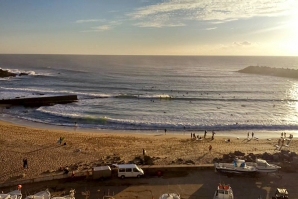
x=230, y=168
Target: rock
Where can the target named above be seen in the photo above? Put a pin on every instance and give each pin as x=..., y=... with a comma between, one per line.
x=22, y=74
x=275, y=157
x=5, y=73
x=189, y=162
x=148, y=160
x=267, y=156
x=239, y=153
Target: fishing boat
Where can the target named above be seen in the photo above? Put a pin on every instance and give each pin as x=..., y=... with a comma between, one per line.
x=223, y=192
x=40, y=195
x=281, y=194
x=16, y=194
x=263, y=166
x=237, y=167
x=70, y=196
x=170, y=196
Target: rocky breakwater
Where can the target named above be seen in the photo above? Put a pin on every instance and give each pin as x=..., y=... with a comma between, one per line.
x=5, y=73
x=265, y=70
x=34, y=101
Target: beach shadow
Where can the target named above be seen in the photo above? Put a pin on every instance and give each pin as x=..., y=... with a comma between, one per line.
x=43, y=148
x=202, y=156
x=247, y=140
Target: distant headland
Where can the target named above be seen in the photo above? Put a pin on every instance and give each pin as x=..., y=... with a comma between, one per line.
x=265, y=70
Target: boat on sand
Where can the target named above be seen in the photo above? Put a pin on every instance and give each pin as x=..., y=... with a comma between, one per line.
x=170, y=196
x=223, y=192
x=40, y=195
x=263, y=166
x=237, y=167
x=16, y=194
x=70, y=196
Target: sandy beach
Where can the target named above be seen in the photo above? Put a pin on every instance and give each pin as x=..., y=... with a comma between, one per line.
x=85, y=149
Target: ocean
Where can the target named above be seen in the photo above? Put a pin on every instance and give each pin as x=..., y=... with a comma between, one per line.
x=154, y=92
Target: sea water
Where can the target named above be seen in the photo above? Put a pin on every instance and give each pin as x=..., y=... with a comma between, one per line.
x=154, y=92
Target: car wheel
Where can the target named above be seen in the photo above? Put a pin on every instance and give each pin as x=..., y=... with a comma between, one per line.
x=122, y=176
x=138, y=176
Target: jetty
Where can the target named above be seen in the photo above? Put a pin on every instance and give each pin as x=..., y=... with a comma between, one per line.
x=40, y=101
x=265, y=70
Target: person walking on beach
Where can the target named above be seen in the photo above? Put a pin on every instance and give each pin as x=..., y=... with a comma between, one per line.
x=25, y=163
x=252, y=135
x=144, y=152
x=213, y=133
x=165, y=131
x=75, y=126
x=282, y=134
x=210, y=148
x=247, y=135
x=205, y=134
x=60, y=140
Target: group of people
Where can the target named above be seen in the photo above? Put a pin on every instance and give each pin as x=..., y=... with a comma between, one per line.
x=284, y=135
x=193, y=135
x=282, y=140
x=252, y=135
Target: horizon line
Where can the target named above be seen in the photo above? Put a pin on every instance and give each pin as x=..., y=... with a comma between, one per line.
x=152, y=55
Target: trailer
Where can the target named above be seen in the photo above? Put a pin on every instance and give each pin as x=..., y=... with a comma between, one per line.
x=101, y=172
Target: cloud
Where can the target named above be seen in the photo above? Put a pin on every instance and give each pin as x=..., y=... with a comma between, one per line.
x=89, y=20
x=159, y=21
x=221, y=11
x=244, y=43
x=213, y=28
x=104, y=27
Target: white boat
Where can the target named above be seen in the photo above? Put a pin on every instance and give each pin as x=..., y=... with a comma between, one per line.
x=40, y=195
x=16, y=194
x=70, y=196
x=223, y=192
x=170, y=196
x=263, y=166
x=237, y=166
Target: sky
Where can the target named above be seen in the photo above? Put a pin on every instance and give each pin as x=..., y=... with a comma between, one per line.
x=149, y=27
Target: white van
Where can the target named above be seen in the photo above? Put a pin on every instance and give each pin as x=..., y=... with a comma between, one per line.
x=129, y=170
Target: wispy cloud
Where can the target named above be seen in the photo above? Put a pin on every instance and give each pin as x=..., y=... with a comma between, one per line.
x=221, y=11
x=213, y=28
x=244, y=43
x=90, y=20
x=99, y=28
x=104, y=27
x=237, y=44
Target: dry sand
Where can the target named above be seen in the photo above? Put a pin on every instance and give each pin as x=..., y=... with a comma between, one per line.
x=87, y=149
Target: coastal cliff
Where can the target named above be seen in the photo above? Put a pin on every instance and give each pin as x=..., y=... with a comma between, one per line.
x=265, y=70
